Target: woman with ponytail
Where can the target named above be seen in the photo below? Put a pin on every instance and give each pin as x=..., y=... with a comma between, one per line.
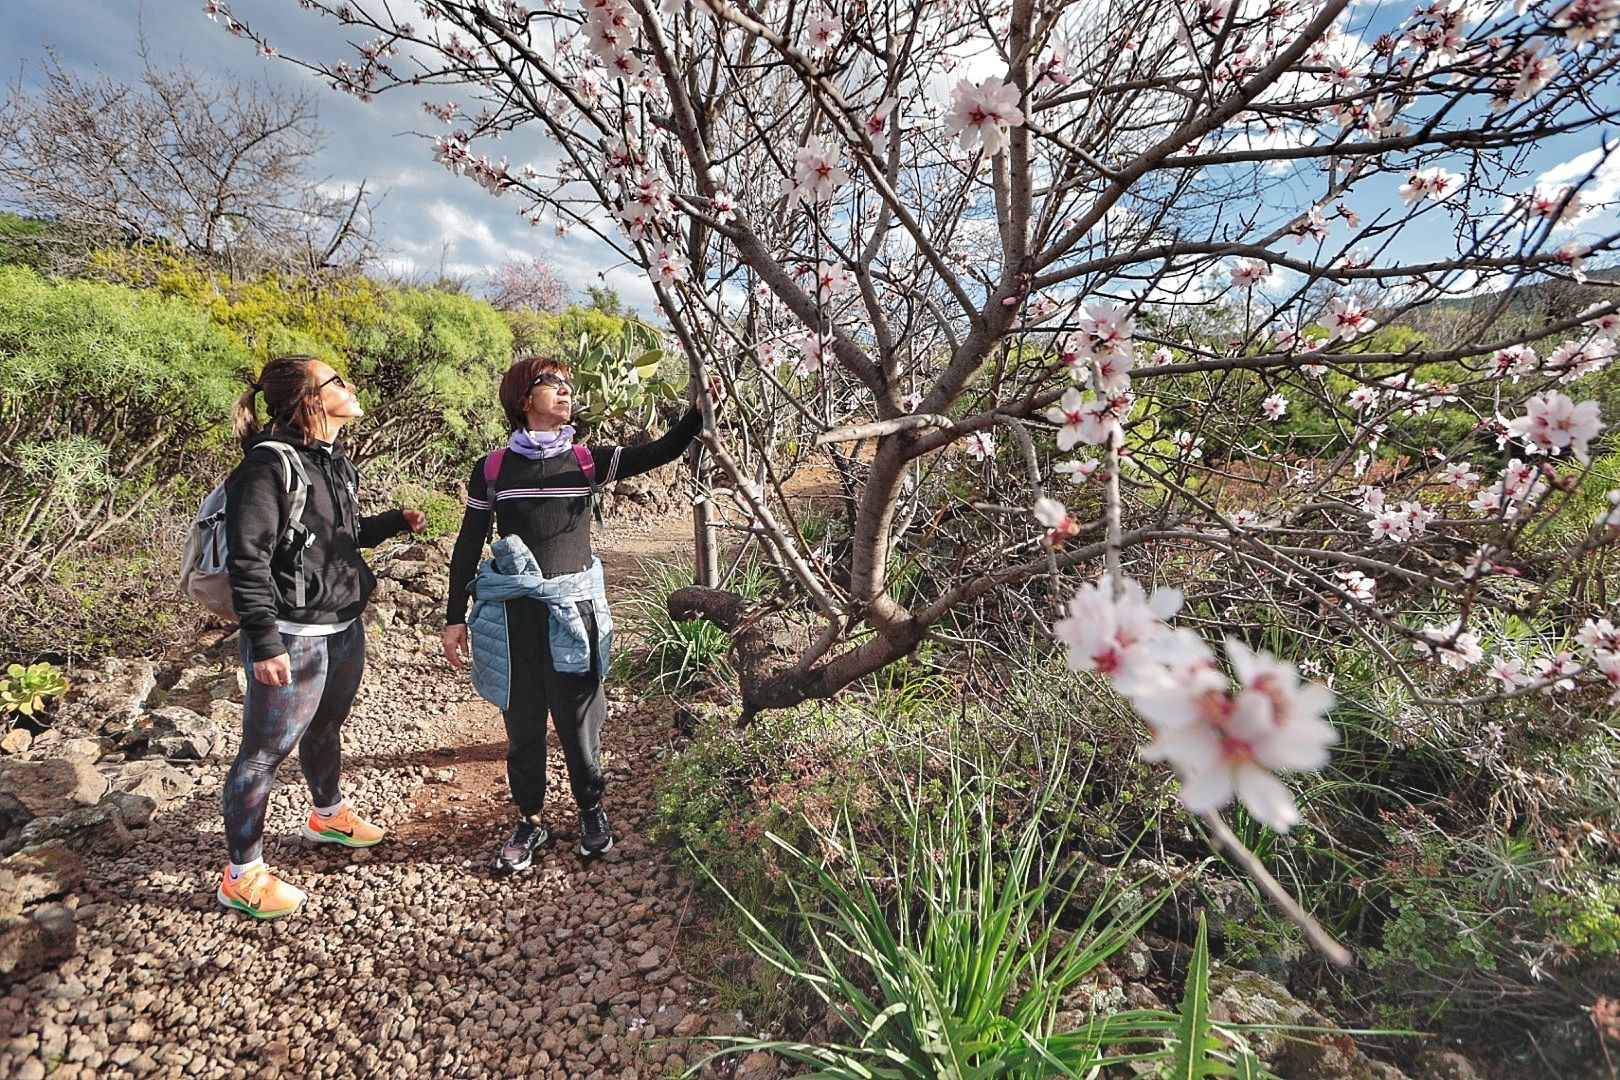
x=299, y=585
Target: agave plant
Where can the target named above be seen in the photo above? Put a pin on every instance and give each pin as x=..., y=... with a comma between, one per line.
x=25, y=690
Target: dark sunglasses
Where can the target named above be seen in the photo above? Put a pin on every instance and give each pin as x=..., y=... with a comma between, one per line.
x=556, y=382
x=340, y=380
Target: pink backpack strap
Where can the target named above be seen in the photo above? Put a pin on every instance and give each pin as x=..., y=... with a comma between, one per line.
x=587, y=463
x=492, y=466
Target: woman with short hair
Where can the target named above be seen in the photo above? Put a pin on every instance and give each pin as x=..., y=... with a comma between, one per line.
x=299, y=585
x=538, y=489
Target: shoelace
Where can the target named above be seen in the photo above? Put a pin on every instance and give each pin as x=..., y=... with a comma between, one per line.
x=595, y=821
x=255, y=882
x=519, y=843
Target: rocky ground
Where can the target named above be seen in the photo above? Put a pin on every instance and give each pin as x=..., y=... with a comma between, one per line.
x=409, y=959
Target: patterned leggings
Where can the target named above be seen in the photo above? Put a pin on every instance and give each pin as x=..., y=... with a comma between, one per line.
x=309, y=714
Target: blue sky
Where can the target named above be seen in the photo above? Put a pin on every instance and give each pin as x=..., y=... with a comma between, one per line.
x=428, y=217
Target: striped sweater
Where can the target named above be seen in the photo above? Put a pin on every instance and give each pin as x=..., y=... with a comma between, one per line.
x=547, y=503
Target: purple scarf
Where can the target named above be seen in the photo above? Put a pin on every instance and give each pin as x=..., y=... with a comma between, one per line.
x=542, y=444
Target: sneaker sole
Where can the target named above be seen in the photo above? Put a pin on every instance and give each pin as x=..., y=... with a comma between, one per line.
x=238, y=905
x=504, y=868
x=335, y=838
x=591, y=853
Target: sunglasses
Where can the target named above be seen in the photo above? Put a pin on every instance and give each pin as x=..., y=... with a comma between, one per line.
x=556, y=382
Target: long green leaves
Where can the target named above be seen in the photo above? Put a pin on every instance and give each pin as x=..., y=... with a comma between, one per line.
x=951, y=951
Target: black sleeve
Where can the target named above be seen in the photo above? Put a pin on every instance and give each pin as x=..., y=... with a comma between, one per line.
x=379, y=527
x=469, y=545
x=256, y=508
x=635, y=460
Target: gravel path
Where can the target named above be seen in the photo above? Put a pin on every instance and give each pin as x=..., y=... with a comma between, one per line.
x=408, y=960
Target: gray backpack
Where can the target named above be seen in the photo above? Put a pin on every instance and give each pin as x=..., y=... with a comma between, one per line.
x=202, y=568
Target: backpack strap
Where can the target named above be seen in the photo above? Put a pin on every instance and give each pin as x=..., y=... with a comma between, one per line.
x=587, y=465
x=296, y=537
x=492, y=469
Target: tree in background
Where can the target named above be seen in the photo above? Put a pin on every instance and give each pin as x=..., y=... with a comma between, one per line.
x=527, y=285
x=221, y=173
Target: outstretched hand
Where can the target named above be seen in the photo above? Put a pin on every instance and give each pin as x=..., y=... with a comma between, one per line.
x=415, y=519
x=715, y=389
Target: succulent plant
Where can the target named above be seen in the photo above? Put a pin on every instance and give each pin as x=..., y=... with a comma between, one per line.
x=25, y=690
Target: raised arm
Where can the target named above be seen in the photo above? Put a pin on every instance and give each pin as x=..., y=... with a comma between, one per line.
x=635, y=460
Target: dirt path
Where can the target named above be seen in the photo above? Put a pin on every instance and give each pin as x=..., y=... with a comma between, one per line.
x=409, y=960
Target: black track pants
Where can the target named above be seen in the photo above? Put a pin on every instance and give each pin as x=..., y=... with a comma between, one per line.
x=574, y=702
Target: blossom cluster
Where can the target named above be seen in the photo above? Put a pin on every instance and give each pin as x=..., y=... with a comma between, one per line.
x=1221, y=739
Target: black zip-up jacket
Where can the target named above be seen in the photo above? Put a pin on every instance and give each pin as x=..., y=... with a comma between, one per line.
x=337, y=581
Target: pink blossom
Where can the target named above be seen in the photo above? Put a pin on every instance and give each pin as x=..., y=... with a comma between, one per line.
x=1435, y=183
x=1509, y=671
x=982, y=113
x=669, y=266
x=1560, y=670
x=1090, y=422
x=1348, y=319
x=1557, y=204
x=876, y=122
x=1361, y=397
x=822, y=30
x=1554, y=421
x=1536, y=71
x=1608, y=667
x=1078, y=470
x=1357, y=584
x=1604, y=321
x=1247, y=273
x=812, y=353
x=1116, y=636
x=981, y=445
x=1459, y=474
x=817, y=175
x=1586, y=21
x=1223, y=743
x=1274, y=407
x=1598, y=636
x=1055, y=516
x=1455, y=647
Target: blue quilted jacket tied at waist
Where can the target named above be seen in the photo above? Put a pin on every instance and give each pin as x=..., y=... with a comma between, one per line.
x=512, y=571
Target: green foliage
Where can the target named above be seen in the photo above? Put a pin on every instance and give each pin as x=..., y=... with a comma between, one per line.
x=672, y=655
x=443, y=511
x=111, y=396
x=26, y=690
x=942, y=956
x=1588, y=919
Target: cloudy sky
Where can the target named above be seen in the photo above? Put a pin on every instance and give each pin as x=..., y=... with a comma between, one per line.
x=431, y=220
x=428, y=219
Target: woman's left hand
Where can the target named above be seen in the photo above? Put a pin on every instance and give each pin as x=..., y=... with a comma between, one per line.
x=415, y=519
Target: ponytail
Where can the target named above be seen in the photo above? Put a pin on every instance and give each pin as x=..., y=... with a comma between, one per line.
x=291, y=400
x=245, y=417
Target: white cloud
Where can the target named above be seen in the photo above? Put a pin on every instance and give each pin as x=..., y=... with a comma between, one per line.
x=1604, y=167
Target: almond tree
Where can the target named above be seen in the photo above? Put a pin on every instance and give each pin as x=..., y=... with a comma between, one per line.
x=949, y=243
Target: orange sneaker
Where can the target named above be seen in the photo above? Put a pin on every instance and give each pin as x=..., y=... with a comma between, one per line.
x=259, y=893
x=344, y=827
